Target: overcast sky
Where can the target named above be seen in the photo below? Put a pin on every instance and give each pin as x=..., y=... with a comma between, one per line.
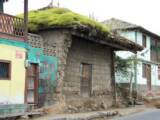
x=141, y=12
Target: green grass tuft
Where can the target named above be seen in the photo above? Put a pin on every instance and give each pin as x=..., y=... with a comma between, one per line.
x=60, y=17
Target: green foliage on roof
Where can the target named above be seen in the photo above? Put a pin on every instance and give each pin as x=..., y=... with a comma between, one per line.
x=60, y=17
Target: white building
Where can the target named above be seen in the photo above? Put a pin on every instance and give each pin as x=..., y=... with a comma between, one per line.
x=146, y=72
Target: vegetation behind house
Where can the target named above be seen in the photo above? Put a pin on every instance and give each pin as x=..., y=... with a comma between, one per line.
x=123, y=65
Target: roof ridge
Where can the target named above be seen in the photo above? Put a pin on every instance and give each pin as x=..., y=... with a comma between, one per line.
x=115, y=23
x=123, y=21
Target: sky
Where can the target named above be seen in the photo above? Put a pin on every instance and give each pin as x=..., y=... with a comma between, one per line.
x=145, y=13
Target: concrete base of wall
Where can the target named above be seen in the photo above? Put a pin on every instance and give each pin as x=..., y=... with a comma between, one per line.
x=12, y=109
x=142, y=91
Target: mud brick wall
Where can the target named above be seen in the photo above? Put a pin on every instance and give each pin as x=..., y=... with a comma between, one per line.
x=56, y=43
x=71, y=52
x=83, y=51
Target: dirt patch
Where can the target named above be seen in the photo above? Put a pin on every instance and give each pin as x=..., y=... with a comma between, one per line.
x=87, y=105
x=153, y=101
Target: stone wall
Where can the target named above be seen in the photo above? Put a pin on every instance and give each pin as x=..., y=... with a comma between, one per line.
x=56, y=43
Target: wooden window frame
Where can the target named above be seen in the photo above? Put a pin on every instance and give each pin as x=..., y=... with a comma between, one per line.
x=144, y=40
x=144, y=68
x=9, y=70
x=154, y=53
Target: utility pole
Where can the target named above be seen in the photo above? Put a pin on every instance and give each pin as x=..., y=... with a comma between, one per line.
x=113, y=83
x=25, y=19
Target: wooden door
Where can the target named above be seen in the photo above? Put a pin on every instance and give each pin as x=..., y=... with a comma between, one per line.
x=32, y=84
x=148, y=76
x=86, y=76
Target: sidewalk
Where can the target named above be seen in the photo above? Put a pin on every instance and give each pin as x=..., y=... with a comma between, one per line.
x=119, y=112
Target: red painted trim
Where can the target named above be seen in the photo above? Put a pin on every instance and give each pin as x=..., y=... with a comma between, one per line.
x=12, y=37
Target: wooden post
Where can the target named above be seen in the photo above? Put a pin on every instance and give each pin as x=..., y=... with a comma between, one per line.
x=135, y=69
x=113, y=82
x=25, y=19
x=131, y=88
x=135, y=77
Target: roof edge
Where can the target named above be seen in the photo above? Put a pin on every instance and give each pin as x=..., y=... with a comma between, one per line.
x=113, y=40
x=142, y=29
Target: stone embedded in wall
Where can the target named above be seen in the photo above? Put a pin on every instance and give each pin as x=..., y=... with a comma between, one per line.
x=56, y=43
x=48, y=50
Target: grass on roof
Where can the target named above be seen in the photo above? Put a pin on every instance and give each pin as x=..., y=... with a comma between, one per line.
x=61, y=17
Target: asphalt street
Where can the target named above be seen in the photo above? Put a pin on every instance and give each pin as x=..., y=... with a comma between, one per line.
x=149, y=115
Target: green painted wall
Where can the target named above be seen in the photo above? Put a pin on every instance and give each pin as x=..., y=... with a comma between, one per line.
x=47, y=75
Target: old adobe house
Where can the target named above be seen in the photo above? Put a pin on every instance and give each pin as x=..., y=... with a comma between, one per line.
x=85, y=50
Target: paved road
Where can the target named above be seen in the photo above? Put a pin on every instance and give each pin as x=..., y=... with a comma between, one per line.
x=149, y=115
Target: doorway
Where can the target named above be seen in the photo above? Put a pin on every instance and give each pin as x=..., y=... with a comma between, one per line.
x=147, y=75
x=32, y=84
x=149, y=83
x=86, y=78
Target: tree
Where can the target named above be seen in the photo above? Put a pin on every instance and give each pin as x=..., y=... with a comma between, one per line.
x=122, y=65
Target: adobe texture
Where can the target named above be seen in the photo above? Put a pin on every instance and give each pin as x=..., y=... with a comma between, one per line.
x=71, y=52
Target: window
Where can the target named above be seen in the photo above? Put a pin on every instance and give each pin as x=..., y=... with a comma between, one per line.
x=154, y=53
x=5, y=70
x=144, y=42
x=158, y=50
x=159, y=72
x=144, y=70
